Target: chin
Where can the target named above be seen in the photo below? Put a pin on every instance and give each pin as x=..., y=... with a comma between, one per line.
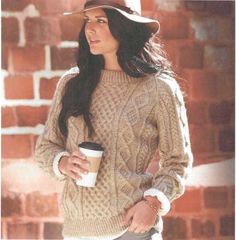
x=94, y=52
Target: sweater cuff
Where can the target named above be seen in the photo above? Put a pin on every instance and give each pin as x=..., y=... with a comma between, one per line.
x=165, y=203
x=56, y=160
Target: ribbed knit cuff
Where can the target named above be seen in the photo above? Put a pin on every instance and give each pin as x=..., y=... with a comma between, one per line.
x=165, y=203
x=106, y=237
x=56, y=160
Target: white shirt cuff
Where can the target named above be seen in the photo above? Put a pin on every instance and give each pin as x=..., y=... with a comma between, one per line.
x=56, y=164
x=165, y=203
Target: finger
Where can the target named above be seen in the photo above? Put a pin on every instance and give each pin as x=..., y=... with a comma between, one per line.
x=137, y=227
x=74, y=175
x=132, y=227
x=128, y=216
x=137, y=230
x=78, y=154
x=82, y=170
x=148, y=228
x=77, y=169
x=140, y=229
x=81, y=162
x=143, y=231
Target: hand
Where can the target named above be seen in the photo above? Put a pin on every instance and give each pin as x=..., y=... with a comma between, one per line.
x=74, y=165
x=140, y=217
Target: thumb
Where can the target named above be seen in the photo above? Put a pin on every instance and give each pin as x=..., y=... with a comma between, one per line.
x=128, y=216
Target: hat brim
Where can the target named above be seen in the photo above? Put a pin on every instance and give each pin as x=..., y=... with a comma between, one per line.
x=153, y=24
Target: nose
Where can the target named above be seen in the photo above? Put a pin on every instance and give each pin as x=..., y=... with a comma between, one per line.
x=90, y=28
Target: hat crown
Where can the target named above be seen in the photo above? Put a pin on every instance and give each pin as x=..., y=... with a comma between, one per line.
x=131, y=9
x=134, y=5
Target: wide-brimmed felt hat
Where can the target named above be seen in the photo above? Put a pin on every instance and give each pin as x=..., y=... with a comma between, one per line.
x=131, y=9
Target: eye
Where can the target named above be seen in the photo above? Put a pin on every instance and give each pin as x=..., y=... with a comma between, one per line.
x=101, y=21
x=87, y=20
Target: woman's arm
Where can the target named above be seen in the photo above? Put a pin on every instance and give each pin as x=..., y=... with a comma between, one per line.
x=50, y=146
x=174, y=142
x=175, y=158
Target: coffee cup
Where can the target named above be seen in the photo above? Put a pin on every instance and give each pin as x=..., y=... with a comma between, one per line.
x=93, y=152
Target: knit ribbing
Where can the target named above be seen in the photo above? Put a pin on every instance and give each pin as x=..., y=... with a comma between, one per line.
x=93, y=227
x=132, y=117
x=116, y=77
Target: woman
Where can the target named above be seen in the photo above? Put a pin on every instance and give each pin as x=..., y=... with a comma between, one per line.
x=125, y=98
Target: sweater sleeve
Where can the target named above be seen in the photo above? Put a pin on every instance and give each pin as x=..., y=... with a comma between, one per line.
x=174, y=143
x=51, y=143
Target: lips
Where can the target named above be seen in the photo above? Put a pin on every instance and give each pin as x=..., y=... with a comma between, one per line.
x=93, y=42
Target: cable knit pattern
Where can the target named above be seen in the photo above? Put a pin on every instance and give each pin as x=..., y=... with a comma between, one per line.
x=132, y=117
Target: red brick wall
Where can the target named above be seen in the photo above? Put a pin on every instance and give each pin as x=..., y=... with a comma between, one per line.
x=38, y=45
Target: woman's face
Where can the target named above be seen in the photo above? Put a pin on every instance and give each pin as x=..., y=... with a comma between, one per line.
x=98, y=34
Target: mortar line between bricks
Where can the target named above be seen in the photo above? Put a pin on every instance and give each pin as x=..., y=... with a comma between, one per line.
x=23, y=130
x=41, y=230
x=217, y=225
x=4, y=74
x=23, y=203
x=188, y=227
x=48, y=65
x=22, y=40
x=68, y=44
x=27, y=219
x=212, y=214
x=36, y=87
x=30, y=102
x=4, y=229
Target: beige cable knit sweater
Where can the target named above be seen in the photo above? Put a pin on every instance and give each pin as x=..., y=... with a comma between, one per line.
x=132, y=118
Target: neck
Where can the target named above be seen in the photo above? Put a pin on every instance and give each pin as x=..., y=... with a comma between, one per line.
x=111, y=62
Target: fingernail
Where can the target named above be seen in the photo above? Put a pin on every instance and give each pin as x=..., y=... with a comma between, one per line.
x=82, y=155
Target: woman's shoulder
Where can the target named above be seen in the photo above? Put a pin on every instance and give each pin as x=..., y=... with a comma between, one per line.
x=168, y=87
x=72, y=72
x=166, y=82
x=69, y=74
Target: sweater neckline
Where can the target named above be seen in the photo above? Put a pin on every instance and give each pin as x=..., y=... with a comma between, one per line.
x=116, y=77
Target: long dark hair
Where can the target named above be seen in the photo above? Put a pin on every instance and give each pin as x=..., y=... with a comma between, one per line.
x=138, y=55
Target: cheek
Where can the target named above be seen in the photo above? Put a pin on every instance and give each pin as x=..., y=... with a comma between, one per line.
x=109, y=39
x=85, y=33
x=106, y=33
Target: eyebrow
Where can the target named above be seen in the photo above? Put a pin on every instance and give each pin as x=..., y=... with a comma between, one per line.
x=96, y=16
